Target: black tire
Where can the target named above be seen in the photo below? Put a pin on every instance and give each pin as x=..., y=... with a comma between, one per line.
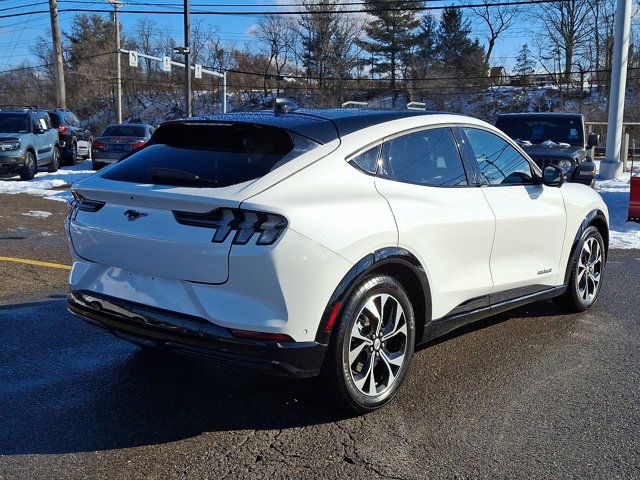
x=587, y=269
x=350, y=379
x=96, y=165
x=55, y=161
x=30, y=167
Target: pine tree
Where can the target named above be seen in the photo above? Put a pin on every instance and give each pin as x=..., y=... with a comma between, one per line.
x=457, y=52
x=524, y=66
x=391, y=32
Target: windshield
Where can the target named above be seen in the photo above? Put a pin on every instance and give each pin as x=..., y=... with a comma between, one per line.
x=13, y=123
x=206, y=155
x=124, y=131
x=537, y=130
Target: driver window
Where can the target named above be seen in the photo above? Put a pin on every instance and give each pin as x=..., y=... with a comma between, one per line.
x=498, y=161
x=428, y=157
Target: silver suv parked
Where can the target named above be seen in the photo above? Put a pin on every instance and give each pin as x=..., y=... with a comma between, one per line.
x=27, y=142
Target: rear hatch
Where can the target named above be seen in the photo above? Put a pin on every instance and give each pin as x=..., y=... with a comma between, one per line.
x=172, y=209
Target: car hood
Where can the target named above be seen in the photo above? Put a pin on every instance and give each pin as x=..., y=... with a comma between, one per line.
x=555, y=151
x=15, y=136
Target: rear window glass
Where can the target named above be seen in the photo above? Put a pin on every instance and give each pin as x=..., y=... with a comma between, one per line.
x=209, y=155
x=124, y=131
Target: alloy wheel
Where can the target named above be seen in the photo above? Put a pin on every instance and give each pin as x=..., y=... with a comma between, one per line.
x=589, y=270
x=378, y=344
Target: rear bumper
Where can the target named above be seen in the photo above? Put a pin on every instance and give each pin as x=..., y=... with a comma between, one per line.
x=192, y=335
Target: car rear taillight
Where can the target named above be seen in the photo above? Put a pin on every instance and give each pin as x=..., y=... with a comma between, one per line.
x=138, y=144
x=98, y=145
x=245, y=224
x=62, y=129
x=79, y=203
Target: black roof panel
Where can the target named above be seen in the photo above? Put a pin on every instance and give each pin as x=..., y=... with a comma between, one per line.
x=322, y=126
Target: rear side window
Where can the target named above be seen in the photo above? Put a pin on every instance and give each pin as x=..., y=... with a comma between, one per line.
x=428, y=157
x=209, y=155
x=55, y=120
x=367, y=160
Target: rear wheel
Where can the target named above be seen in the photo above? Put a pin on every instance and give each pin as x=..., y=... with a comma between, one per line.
x=585, y=279
x=372, y=346
x=30, y=167
x=55, y=161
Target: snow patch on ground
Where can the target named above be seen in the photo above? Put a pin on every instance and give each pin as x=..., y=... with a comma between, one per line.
x=615, y=194
x=37, y=214
x=54, y=186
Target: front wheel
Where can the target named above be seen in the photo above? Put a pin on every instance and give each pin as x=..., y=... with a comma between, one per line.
x=585, y=279
x=373, y=344
x=30, y=167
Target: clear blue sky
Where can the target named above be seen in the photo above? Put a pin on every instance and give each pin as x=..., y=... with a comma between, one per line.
x=18, y=35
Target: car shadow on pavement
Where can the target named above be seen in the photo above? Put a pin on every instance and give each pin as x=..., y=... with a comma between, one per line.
x=67, y=387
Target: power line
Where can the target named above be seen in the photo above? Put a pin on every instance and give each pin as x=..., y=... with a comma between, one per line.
x=298, y=12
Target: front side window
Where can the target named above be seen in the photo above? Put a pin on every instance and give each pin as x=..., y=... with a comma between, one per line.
x=499, y=163
x=428, y=157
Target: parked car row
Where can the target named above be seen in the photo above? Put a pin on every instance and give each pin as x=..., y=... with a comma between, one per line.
x=32, y=138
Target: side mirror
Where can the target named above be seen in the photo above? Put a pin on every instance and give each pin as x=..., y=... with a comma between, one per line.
x=38, y=130
x=593, y=140
x=553, y=176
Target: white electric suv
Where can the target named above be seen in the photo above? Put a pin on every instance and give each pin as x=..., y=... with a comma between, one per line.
x=333, y=241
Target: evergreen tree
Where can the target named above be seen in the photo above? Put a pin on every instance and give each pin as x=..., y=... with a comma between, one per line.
x=458, y=53
x=524, y=66
x=391, y=32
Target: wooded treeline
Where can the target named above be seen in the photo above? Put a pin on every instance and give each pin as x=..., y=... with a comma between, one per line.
x=327, y=55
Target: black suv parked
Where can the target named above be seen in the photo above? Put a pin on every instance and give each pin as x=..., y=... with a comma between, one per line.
x=554, y=139
x=75, y=138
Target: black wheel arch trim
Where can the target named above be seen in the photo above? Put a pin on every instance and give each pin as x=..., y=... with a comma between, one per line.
x=365, y=266
x=595, y=214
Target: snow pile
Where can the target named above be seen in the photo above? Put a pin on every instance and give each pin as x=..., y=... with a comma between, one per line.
x=37, y=214
x=50, y=185
x=615, y=193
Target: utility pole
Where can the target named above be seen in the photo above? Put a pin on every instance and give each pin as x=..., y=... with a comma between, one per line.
x=61, y=99
x=116, y=5
x=187, y=60
x=610, y=167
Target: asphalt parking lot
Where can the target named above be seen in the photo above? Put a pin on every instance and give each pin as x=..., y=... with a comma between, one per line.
x=531, y=393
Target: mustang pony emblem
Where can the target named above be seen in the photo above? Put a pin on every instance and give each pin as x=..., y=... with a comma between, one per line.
x=132, y=215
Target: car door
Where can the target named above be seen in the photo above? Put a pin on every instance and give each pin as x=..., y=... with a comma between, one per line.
x=41, y=139
x=442, y=218
x=530, y=217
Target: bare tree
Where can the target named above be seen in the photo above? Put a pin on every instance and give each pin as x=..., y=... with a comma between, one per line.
x=277, y=36
x=497, y=19
x=567, y=27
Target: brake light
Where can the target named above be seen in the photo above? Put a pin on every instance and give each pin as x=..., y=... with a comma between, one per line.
x=81, y=203
x=97, y=145
x=138, y=144
x=62, y=129
x=245, y=223
x=263, y=336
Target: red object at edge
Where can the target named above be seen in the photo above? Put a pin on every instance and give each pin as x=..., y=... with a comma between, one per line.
x=634, y=200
